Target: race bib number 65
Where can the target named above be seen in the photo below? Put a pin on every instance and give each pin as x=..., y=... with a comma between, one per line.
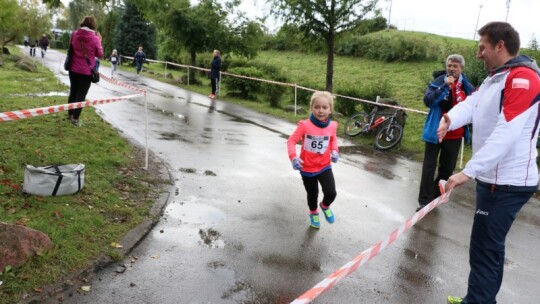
x=316, y=144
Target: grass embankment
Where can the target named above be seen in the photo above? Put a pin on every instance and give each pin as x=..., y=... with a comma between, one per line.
x=116, y=197
x=407, y=81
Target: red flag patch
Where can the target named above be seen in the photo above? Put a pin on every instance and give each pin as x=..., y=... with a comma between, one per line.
x=520, y=83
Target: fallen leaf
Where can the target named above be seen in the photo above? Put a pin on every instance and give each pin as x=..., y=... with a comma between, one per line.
x=116, y=245
x=85, y=288
x=38, y=289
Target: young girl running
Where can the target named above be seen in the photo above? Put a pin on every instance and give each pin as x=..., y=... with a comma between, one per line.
x=319, y=145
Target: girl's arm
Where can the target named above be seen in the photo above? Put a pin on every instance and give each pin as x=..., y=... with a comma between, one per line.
x=296, y=136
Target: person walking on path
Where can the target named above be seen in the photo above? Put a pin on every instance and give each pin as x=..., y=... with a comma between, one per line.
x=318, y=139
x=139, y=58
x=85, y=43
x=448, y=88
x=43, y=44
x=32, y=50
x=114, y=59
x=504, y=112
x=215, y=68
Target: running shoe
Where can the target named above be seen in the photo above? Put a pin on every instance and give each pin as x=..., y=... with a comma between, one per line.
x=454, y=300
x=328, y=214
x=212, y=96
x=314, y=219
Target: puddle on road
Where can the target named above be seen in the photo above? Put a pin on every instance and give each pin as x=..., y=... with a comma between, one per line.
x=292, y=264
x=243, y=292
x=174, y=136
x=187, y=224
x=193, y=213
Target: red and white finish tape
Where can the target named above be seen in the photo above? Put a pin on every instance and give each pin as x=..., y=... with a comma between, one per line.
x=122, y=84
x=368, y=254
x=21, y=114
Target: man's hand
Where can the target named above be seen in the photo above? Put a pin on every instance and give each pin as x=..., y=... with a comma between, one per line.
x=444, y=124
x=450, y=80
x=455, y=181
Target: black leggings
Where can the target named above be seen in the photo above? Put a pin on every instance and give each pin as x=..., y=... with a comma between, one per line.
x=79, y=86
x=328, y=184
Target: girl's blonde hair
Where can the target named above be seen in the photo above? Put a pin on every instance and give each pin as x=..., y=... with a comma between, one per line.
x=322, y=94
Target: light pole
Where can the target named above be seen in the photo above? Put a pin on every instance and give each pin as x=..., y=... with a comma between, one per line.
x=477, y=19
x=507, y=10
x=389, y=14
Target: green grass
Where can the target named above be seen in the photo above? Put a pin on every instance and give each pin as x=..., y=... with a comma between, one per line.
x=116, y=197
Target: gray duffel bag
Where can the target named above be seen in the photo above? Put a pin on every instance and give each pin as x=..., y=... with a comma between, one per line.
x=53, y=180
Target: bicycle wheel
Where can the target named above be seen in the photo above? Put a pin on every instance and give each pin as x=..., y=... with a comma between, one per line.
x=356, y=124
x=388, y=137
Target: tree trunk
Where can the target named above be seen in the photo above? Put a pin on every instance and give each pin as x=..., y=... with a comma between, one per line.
x=330, y=62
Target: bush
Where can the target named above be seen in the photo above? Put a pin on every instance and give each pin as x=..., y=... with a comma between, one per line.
x=241, y=87
x=65, y=39
x=347, y=106
x=303, y=97
x=274, y=92
x=57, y=44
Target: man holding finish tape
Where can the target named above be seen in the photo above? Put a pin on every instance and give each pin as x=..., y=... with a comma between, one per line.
x=504, y=113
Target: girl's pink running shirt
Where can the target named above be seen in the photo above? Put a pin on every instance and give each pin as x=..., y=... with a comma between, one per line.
x=316, y=145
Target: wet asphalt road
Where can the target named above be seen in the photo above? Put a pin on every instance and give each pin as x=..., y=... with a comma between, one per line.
x=237, y=230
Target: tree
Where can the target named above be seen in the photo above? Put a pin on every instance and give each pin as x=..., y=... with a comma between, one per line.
x=28, y=17
x=324, y=19
x=8, y=18
x=533, y=44
x=77, y=9
x=133, y=31
x=201, y=28
x=109, y=25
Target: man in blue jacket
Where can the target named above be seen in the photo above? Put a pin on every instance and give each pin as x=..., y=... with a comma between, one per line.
x=447, y=89
x=139, y=58
x=215, y=68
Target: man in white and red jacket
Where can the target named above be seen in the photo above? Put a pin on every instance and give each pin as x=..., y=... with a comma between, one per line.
x=505, y=115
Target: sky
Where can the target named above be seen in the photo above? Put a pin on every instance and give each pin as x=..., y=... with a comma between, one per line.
x=455, y=18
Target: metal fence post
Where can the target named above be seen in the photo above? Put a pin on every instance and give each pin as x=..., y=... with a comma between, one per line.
x=295, y=98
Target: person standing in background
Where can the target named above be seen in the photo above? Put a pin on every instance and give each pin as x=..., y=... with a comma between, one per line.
x=215, y=68
x=448, y=88
x=139, y=58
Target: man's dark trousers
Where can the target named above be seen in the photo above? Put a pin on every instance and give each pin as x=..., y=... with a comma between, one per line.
x=496, y=209
x=448, y=149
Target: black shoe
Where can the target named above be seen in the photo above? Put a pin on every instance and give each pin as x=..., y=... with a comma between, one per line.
x=420, y=207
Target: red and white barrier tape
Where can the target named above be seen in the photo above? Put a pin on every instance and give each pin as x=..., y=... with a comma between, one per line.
x=368, y=254
x=16, y=115
x=122, y=84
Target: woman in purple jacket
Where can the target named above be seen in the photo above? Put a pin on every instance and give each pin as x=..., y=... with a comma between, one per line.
x=86, y=44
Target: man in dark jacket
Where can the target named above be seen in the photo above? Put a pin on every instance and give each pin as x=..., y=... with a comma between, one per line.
x=447, y=89
x=43, y=44
x=215, y=68
x=139, y=58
